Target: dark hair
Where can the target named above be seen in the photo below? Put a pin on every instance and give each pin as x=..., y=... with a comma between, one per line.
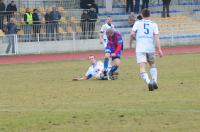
x=145, y=13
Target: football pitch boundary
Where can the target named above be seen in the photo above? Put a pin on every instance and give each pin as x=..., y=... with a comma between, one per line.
x=83, y=55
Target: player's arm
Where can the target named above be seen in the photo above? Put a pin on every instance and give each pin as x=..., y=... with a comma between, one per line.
x=157, y=40
x=82, y=78
x=101, y=37
x=119, y=44
x=132, y=37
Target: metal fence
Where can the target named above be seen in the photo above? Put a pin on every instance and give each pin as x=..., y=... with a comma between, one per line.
x=73, y=42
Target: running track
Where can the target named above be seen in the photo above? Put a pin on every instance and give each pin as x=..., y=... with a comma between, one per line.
x=84, y=55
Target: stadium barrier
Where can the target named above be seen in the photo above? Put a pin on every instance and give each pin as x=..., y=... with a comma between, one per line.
x=75, y=42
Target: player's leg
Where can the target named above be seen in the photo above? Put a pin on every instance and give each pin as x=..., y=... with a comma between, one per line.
x=116, y=65
x=142, y=60
x=106, y=60
x=153, y=69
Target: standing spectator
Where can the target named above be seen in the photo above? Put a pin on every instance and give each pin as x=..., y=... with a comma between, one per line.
x=94, y=5
x=145, y=4
x=131, y=19
x=137, y=7
x=129, y=3
x=2, y=12
x=36, y=23
x=84, y=22
x=92, y=21
x=55, y=17
x=28, y=19
x=47, y=22
x=11, y=31
x=10, y=9
x=166, y=4
x=146, y=32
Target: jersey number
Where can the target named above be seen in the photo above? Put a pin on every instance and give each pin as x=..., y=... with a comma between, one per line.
x=146, y=28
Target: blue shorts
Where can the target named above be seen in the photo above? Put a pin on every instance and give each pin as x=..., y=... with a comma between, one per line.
x=118, y=55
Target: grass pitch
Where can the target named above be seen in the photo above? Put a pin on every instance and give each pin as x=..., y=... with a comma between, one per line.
x=41, y=97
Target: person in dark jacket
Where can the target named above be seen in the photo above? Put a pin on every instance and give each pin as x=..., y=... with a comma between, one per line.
x=55, y=17
x=84, y=22
x=10, y=9
x=2, y=13
x=36, y=23
x=145, y=4
x=47, y=22
x=92, y=21
x=11, y=31
x=166, y=4
x=129, y=4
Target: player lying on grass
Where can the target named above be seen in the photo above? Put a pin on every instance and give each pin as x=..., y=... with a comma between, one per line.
x=94, y=71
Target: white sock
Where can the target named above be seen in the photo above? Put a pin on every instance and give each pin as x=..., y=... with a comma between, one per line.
x=145, y=77
x=154, y=74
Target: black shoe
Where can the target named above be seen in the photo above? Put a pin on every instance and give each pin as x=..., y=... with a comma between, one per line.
x=155, y=86
x=150, y=86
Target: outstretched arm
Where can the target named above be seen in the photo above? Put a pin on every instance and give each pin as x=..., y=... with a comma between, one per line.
x=157, y=39
x=80, y=79
x=132, y=37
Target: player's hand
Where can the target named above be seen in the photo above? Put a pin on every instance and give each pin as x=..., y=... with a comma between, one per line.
x=101, y=41
x=160, y=53
x=113, y=54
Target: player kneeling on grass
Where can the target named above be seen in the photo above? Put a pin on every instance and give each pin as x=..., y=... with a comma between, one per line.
x=113, y=50
x=95, y=70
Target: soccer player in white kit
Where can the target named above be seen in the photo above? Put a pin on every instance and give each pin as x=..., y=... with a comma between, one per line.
x=104, y=28
x=95, y=70
x=146, y=33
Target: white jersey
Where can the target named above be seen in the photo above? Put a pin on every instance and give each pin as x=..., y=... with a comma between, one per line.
x=145, y=31
x=95, y=70
x=104, y=28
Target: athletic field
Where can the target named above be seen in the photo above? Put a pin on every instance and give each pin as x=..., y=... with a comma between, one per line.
x=40, y=97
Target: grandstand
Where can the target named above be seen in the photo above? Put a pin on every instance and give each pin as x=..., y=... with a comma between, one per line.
x=182, y=28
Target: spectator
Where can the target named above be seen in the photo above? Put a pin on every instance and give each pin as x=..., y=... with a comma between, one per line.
x=36, y=23
x=47, y=22
x=137, y=7
x=55, y=17
x=166, y=4
x=129, y=3
x=84, y=4
x=10, y=9
x=84, y=22
x=2, y=11
x=28, y=19
x=94, y=5
x=93, y=18
x=145, y=4
x=11, y=31
x=131, y=19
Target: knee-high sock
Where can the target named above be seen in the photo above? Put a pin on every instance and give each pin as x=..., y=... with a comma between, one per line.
x=153, y=72
x=106, y=63
x=145, y=77
x=113, y=69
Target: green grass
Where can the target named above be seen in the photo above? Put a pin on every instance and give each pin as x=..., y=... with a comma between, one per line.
x=40, y=97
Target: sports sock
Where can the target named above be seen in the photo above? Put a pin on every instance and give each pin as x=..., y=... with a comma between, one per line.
x=113, y=69
x=153, y=72
x=106, y=61
x=145, y=77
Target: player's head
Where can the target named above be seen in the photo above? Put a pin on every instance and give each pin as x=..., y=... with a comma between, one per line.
x=110, y=32
x=92, y=59
x=145, y=13
x=109, y=19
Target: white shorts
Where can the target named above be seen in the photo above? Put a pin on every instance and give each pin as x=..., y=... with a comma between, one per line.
x=145, y=57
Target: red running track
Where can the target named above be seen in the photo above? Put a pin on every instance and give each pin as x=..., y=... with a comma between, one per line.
x=84, y=55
